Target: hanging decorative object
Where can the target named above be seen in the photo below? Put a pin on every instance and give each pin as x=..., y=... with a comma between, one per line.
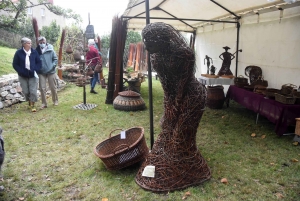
x=69, y=49
x=77, y=56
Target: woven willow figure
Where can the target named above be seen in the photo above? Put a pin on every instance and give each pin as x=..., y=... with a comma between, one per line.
x=178, y=163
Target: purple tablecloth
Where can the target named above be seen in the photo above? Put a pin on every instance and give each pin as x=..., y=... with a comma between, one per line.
x=282, y=115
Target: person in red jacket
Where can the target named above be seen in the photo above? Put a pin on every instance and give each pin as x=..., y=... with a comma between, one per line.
x=92, y=59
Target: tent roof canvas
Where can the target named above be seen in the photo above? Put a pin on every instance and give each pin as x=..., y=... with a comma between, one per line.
x=192, y=14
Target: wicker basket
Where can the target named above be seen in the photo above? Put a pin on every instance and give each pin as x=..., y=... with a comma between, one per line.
x=240, y=81
x=285, y=99
x=117, y=153
x=296, y=94
x=259, y=89
x=129, y=101
x=287, y=89
x=270, y=92
x=81, y=81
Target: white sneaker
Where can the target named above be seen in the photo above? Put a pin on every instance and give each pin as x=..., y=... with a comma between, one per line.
x=55, y=103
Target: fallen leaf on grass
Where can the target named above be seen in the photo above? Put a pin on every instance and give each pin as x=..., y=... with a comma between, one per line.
x=223, y=117
x=186, y=195
x=21, y=198
x=224, y=181
x=295, y=143
x=263, y=136
x=294, y=160
x=253, y=135
x=104, y=199
x=272, y=163
x=279, y=195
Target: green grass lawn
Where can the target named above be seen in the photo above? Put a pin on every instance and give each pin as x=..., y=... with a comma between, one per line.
x=6, y=60
x=49, y=154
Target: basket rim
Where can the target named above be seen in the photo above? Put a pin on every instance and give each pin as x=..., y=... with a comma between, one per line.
x=121, y=150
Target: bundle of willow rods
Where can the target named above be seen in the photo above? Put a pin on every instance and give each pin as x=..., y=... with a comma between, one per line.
x=116, y=51
x=99, y=46
x=130, y=54
x=62, y=39
x=121, y=38
x=175, y=155
x=112, y=62
x=36, y=30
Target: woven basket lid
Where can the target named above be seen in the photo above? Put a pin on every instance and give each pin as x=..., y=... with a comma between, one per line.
x=129, y=93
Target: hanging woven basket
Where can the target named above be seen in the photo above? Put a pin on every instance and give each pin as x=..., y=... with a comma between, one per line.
x=76, y=55
x=129, y=101
x=69, y=49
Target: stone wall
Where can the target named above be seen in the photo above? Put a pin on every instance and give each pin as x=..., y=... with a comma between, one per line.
x=11, y=91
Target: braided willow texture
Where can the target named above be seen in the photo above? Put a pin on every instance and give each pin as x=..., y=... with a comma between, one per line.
x=178, y=163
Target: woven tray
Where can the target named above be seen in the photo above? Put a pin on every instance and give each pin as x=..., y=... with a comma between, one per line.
x=210, y=76
x=270, y=92
x=227, y=76
x=285, y=99
x=117, y=153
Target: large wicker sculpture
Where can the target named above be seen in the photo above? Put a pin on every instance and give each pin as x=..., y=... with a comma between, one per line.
x=178, y=163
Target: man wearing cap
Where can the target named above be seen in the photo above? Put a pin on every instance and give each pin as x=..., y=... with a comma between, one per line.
x=48, y=71
x=226, y=57
x=26, y=63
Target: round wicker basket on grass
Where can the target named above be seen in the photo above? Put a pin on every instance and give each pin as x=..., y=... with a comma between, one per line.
x=117, y=153
x=129, y=101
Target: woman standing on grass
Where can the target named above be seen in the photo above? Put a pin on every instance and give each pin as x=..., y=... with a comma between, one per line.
x=92, y=59
x=26, y=62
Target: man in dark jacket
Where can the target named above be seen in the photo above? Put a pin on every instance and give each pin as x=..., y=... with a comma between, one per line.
x=26, y=63
x=48, y=71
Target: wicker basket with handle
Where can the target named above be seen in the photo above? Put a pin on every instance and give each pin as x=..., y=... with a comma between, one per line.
x=117, y=153
x=270, y=92
x=285, y=99
x=296, y=95
x=287, y=89
x=240, y=81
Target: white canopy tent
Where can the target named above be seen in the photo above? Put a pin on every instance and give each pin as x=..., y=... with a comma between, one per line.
x=268, y=34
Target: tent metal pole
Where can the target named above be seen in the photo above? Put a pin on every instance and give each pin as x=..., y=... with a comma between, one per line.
x=237, y=48
x=186, y=19
x=150, y=82
x=232, y=13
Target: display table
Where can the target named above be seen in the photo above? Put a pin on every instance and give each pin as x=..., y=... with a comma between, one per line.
x=282, y=115
x=215, y=81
